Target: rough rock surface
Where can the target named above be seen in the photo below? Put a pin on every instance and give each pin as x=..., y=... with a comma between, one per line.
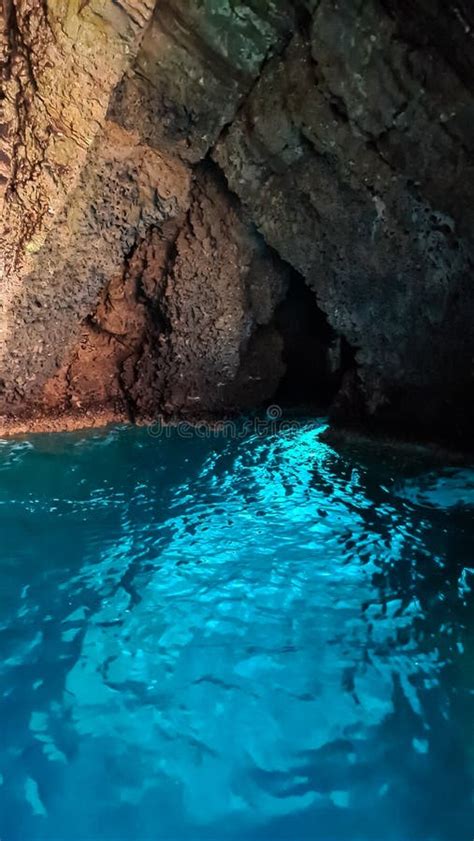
x=353, y=155
x=59, y=62
x=210, y=204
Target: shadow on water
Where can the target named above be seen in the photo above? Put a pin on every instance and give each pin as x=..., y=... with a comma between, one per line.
x=253, y=638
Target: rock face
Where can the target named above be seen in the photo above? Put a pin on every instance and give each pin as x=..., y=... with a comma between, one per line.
x=211, y=204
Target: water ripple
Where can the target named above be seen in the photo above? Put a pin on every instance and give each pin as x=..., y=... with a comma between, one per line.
x=256, y=638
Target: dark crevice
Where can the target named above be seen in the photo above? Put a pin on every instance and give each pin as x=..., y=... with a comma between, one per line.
x=304, y=18
x=128, y=400
x=316, y=358
x=338, y=107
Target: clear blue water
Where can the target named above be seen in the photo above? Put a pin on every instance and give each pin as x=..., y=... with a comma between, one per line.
x=260, y=638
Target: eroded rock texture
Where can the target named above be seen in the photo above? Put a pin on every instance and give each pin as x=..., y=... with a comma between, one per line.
x=211, y=204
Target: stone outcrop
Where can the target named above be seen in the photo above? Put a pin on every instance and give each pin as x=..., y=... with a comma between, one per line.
x=210, y=205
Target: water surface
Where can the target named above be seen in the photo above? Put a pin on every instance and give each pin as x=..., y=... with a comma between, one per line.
x=257, y=638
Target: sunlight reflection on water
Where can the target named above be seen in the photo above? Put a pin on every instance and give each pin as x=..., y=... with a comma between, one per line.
x=259, y=638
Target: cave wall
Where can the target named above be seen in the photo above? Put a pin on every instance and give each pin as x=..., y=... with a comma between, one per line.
x=171, y=172
x=353, y=155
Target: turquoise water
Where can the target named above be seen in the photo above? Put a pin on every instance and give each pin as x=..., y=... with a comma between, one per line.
x=258, y=638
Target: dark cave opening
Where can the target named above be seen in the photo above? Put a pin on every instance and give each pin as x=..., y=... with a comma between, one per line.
x=315, y=357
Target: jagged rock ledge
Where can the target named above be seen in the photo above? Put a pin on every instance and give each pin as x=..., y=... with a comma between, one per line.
x=208, y=206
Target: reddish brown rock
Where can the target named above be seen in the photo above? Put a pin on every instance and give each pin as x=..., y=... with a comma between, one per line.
x=124, y=193
x=220, y=295
x=173, y=173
